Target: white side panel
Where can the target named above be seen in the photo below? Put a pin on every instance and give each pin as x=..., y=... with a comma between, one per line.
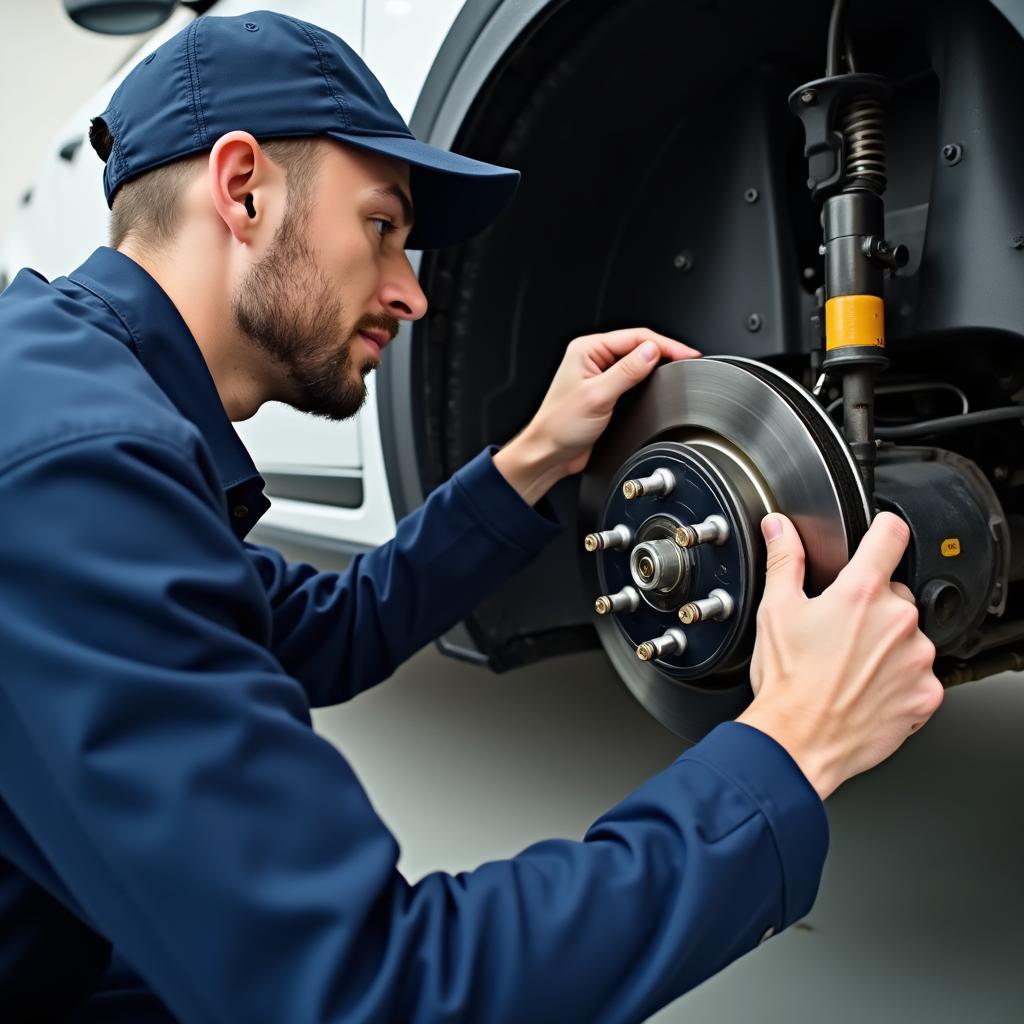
x=402, y=40
x=374, y=522
x=278, y=435
x=67, y=217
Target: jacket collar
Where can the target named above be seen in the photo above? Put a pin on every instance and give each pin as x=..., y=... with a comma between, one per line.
x=161, y=340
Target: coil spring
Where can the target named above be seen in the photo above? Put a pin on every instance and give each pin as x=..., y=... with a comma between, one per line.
x=864, y=133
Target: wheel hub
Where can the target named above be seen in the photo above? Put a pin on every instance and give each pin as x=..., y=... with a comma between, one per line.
x=674, y=496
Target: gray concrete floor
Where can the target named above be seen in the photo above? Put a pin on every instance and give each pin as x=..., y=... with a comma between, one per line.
x=919, y=917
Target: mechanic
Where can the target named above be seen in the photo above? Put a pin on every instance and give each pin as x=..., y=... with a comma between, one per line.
x=175, y=840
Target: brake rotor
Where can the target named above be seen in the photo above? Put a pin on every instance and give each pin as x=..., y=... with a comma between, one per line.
x=671, y=503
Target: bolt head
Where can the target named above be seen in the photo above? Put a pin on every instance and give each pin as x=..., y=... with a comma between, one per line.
x=751, y=195
x=754, y=322
x=590, y=542
x=808, y=97
x=687, y=615
x=952, y=152
x=630, y=490
x=645, y=652
x=602, y=606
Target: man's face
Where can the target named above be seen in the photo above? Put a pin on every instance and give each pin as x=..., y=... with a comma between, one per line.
x=330, y=291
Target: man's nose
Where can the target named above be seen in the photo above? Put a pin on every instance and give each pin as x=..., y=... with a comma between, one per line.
x=401, y=293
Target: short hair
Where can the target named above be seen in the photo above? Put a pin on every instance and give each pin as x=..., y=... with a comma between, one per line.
x=148, y=208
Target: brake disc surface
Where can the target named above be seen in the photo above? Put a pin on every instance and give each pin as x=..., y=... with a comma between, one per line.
x=781, y=452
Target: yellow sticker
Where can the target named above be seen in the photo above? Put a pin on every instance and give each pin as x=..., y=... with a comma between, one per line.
x=950, y=547
x=854, y=320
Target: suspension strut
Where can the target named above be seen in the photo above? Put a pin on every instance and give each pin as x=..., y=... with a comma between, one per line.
x=845, y=150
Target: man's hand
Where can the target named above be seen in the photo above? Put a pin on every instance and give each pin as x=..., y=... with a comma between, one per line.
x=840, y=680
x=595, y=372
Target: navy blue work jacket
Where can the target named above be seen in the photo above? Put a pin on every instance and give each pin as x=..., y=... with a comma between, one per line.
x=163, y=796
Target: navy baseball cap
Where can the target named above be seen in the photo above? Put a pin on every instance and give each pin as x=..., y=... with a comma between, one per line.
x=277, y=77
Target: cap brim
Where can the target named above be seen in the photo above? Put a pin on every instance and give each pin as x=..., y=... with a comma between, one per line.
x=454, y=196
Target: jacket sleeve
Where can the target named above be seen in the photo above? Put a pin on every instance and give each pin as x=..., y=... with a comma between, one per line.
x=164, y=766
x=341, y=633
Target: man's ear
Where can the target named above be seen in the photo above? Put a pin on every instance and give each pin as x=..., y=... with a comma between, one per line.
x=245, y=186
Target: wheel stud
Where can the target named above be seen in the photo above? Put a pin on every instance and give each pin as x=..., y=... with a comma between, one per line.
x=626, y=600
x=673, y=642
x=718, y=605
x=618, y=537
x=661, y=481
x=714, y=530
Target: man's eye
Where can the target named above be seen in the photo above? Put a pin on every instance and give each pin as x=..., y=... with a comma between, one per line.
x=384, y=226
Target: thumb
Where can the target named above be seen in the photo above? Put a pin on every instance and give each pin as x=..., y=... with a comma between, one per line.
x=785, y=576
x=628, y=371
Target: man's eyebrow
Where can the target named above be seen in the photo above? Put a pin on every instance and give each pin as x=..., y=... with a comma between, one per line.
x=399, y=194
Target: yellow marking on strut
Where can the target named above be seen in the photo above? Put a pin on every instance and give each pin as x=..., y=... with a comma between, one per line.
x=854, y=320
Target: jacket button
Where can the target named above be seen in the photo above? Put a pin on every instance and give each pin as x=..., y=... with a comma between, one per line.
x=240, y=511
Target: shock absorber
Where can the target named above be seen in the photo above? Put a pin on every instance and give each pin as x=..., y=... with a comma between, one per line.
x=845, y=150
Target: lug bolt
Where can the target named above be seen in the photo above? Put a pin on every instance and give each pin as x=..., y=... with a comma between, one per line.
x=673, y=642
x=626, y=600
x=714, y=530
x=618, y=537
x=661, y=481
x=718, y=605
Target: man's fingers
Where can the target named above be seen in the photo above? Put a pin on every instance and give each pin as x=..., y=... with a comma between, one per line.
x=902, y=590
x=785, y=576
x=626, y=373
x=606, y=348
x=883, y=546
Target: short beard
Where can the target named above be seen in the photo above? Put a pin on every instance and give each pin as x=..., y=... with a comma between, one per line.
x=288, y=308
